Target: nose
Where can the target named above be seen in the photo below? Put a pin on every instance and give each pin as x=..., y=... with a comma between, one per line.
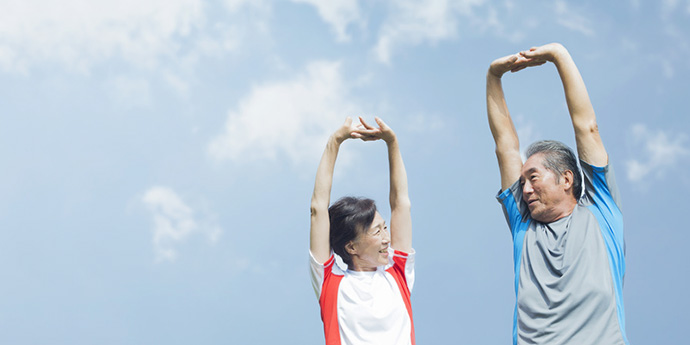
x=386, y=236
x=527, y=188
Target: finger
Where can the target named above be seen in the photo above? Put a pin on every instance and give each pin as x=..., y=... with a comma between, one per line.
x=509, y=60
x=348, y=121
x=366, y=125
x=370, y=138
x=532, y=52
x=369, y=132
x=519, y=68
x=512, y=58
x=380, y=122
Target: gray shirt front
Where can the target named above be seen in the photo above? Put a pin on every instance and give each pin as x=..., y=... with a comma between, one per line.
x=566, y=290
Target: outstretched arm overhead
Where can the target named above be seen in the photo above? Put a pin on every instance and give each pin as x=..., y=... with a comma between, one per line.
x=589, y=145
x=401, y=220
x=502, y=128
x=319, y=240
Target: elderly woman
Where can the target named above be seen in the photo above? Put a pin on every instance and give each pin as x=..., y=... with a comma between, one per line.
x=369, y=302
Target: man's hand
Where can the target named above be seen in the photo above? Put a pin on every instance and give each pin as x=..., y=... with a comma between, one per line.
x=548, y=52
x=512, y=63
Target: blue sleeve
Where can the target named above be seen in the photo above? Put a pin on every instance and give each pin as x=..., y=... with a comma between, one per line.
x=514, y=209
x=517, y=216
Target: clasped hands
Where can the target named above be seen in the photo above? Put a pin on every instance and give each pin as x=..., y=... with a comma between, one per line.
x=535, y=56
x=364, y=131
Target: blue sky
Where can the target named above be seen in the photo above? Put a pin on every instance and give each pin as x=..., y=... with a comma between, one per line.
x=158, y=158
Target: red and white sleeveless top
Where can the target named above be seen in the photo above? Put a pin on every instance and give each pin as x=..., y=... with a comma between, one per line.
x=366, y=307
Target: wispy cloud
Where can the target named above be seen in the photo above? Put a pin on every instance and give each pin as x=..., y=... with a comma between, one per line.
x=81, y=34
x=174, y=222
x=338, y=13
x=291, y=117
x=572, y=19
x=659, y=151
x=412, y=22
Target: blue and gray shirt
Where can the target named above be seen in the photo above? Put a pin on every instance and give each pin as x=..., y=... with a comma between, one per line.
x=569, y=273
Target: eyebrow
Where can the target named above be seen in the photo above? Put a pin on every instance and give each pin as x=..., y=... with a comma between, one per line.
x=531, y=170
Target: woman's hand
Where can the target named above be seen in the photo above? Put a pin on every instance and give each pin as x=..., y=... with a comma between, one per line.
x=346, y=131
x=367, y=132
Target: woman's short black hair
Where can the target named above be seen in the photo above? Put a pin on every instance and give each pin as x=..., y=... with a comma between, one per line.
x=349, y=217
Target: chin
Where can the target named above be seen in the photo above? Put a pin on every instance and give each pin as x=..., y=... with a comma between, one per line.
x=538, y=216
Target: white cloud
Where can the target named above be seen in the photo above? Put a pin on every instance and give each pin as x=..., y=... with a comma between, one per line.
x=338, y=13
x=237, y=5
x=81, y=32
x=413, y=22
x=659, y=152
x=498, y=22
x=572, y=19
x=174, y=222
x=149, y=35
x=291, y=117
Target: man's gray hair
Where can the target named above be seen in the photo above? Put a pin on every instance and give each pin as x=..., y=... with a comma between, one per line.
x=559, y=158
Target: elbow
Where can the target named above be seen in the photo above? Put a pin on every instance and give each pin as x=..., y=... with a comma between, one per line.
x=401, y=204
x=587, y=127
x=318, y=209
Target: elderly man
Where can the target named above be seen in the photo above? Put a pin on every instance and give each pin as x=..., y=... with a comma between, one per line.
x=568, y=246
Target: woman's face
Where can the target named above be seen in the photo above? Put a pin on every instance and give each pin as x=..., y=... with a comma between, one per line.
x=370, y=249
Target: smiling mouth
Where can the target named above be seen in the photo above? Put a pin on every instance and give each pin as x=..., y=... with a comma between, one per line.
x=384, y=251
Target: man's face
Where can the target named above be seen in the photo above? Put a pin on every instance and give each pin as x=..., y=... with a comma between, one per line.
x=548, y=197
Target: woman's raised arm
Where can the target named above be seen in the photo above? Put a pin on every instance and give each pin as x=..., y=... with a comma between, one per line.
x=319, y=239
x=401, y=220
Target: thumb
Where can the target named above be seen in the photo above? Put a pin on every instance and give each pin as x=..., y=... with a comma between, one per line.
x=380, y=122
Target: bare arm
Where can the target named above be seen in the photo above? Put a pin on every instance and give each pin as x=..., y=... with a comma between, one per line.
x=590, y=148
x=502, y=128
x=319, y=240
x=401, y=219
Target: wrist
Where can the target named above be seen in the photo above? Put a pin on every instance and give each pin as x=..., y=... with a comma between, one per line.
x=558, y=52
x=391, y=140
x=336, y=139
x=494, y=74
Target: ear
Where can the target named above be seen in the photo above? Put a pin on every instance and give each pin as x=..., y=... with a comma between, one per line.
x=350, y=248
x=567, y=179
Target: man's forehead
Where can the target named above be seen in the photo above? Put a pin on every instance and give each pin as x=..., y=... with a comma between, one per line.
x=533, y=163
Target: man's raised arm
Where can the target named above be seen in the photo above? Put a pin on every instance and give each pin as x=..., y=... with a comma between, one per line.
x=502, y=128
x=589, y=145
